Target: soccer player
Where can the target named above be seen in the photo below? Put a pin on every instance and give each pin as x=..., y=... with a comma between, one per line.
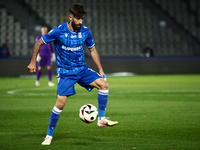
x=70, y=39
x=45, y=57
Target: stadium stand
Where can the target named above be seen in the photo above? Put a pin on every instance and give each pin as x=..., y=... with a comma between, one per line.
x=184, y=12
x=17, y=41
x=119, y=27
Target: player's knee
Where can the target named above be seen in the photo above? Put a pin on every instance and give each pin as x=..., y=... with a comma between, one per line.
x=60, y=103
x=48, y=67
x=39, y=68
x=104, y=86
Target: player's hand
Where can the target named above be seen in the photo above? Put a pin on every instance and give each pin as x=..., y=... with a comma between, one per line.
x=102, y=74
x=32, y=67
x=39, y=58
x=104, y=77
x=53, y=57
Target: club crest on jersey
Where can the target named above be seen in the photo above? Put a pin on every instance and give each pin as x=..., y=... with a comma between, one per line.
x=80, y=35
x=66, y=34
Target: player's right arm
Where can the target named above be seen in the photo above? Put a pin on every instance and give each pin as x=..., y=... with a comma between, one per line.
x=50, y=36
x=32, y=66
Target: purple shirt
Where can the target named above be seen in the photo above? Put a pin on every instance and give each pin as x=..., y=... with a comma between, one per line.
x=45, y=50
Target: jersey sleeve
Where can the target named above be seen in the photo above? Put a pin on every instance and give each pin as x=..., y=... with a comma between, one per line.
x=90, y=41
x=50, y=36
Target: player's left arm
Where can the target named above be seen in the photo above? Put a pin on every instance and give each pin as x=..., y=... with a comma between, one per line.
x=96, y=59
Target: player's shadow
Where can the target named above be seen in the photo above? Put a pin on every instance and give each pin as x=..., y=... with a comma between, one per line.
x=61, y=138
x=78, y=139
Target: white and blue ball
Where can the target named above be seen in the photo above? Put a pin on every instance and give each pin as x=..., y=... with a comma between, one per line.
x=88, y=113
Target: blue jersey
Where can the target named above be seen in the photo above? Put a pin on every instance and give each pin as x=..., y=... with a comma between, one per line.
x=69, y=47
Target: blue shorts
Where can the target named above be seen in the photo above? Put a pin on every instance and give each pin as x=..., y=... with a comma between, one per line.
x=83, y=77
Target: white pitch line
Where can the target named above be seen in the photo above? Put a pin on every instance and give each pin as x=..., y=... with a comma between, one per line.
x=25, y=92
x=13, y=91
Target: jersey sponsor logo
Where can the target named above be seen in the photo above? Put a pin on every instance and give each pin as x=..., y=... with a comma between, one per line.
x=72, y=48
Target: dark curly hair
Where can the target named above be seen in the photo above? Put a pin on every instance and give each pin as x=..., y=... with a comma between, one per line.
x=77, y=10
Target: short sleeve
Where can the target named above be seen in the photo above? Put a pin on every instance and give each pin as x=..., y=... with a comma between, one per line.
x=90, y=41
x=50, y=36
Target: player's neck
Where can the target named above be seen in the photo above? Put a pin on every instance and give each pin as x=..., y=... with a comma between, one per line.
x=70, y=27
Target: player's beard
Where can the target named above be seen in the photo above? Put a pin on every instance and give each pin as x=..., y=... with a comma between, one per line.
x=76, y=26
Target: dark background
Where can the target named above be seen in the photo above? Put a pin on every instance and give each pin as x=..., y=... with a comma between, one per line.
x=120, y=28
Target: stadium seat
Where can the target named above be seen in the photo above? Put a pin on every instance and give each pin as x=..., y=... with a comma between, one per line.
x=122, y=26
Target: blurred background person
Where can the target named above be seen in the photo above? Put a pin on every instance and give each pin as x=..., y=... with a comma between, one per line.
x=4, y=51
x=46, y=57
x=148, y=51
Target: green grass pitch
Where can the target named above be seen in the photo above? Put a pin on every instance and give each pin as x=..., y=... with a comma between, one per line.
x=155, y=112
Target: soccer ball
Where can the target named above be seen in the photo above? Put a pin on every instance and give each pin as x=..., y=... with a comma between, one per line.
x=88, y=113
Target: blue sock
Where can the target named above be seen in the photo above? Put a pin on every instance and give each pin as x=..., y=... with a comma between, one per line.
x=102, y=99
x=55, y=114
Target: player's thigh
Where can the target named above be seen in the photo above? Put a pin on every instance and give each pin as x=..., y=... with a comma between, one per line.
x=48, y=61
x=42, y=62
x=100, y=83
x=66, y=85
x=88, y=76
